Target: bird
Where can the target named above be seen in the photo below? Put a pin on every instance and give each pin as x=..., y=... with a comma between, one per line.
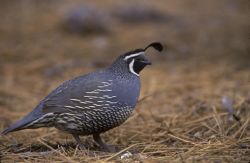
x=93, y=103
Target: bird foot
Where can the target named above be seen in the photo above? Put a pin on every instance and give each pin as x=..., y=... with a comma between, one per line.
x=104, y=147
x=85, y=150
x=82, y=146
x=109, y=148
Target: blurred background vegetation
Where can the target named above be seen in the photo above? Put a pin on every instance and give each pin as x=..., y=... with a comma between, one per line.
x=81, y=30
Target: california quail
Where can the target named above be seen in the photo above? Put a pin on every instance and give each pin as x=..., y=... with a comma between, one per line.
x=92, y=103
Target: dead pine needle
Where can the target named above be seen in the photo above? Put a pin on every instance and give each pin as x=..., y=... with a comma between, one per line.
x=218, y=121
x=118, y=153
x=181, y=139
x=58, y=152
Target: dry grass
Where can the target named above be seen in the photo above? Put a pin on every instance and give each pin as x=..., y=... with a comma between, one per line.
x=180, y=117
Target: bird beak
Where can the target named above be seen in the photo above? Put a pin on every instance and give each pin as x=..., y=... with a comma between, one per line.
x=146, y=61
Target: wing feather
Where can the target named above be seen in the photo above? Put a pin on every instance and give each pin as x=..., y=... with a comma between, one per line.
x=79, y=95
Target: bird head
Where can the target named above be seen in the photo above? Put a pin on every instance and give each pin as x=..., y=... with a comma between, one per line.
x=136, y=60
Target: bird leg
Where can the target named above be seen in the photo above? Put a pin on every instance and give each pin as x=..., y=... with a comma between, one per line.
x=104, y=146
x=78, y=140
x=82, y=146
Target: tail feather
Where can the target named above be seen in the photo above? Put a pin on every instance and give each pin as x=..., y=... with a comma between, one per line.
x=14, y=127
x=6, y=131
x=19, y=125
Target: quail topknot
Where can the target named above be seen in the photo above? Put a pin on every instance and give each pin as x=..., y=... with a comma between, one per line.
x=93, y=103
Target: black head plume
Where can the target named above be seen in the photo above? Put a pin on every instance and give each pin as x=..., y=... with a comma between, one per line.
x=156, y=45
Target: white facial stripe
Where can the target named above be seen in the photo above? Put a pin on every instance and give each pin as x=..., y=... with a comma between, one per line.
x=131, y=67
x=133, y=55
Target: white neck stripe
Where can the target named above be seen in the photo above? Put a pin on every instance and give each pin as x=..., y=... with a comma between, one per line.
x=133, y=55
x=131, y=67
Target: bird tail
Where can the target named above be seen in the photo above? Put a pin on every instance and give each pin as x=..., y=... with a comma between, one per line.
x=14, y=127
x=19, y=125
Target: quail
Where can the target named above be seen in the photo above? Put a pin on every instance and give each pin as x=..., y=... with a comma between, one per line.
x=93, y=103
